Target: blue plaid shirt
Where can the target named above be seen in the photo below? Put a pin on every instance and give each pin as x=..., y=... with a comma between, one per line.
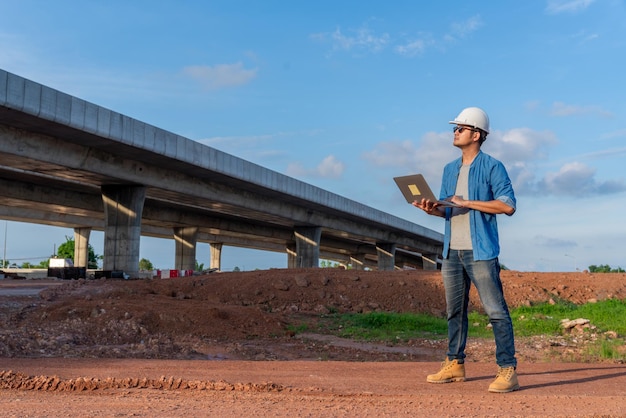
x=488, y=180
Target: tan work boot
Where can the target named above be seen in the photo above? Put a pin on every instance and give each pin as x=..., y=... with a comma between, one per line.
x=451, y=371
x=506, y=381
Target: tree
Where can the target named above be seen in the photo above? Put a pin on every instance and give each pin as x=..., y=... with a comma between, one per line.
x=199, y=267
x=145, y=265
x=333, y=264
x=43, y=264
x=66, y=250
x=604, y=268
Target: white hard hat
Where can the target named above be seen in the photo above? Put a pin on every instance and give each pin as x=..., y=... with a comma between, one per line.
x=474, y=117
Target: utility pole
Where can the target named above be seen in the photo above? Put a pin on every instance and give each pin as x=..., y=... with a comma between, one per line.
x=573, y=258
x=4, y=254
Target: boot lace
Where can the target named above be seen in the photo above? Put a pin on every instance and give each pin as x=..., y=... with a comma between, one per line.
x=446, y=364
x=505, y=372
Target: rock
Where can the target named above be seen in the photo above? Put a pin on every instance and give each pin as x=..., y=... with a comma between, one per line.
x=568, y=324
x=302, y=281
x=281, y=285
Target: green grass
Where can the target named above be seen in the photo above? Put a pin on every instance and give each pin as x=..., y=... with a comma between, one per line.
x=388, y=326
x=543, y=319
x=607, y=315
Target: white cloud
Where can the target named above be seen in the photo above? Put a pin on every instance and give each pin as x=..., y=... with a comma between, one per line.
x=561, y=109
x=428, y=156
x=615, y=134
x=567, y=6
x=605, y=153
x=584, y=36
x=360, y=40
x=413, y=47
x=365, y=40
x=521, y=150
x=330, y=167
x=577, y=179
x=553, y=243
x=520, y=144
x=220, y=75
x=259, y=147
x=458, y=30
x=466, y=27
x=573, y=178
x=532, y=105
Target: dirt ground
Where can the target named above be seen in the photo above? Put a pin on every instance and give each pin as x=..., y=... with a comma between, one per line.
x=233, y=344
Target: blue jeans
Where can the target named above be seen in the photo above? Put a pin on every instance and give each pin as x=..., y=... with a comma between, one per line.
x=459, y=272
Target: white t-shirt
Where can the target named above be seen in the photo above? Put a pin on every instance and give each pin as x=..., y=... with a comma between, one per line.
x=460, y=236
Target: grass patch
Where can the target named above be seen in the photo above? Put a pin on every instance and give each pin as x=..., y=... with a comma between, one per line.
x=298, y=329
x=606, y=315
x=542, y=319
x=545, y=318
x=608, y=349
x=384, y=326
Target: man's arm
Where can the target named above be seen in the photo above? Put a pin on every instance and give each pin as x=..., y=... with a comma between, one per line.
x=494, y=207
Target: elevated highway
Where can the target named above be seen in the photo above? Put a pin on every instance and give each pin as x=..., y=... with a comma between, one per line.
x=70, y=163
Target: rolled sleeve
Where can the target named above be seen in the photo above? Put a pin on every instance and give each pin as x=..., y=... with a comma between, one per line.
x=509, y=202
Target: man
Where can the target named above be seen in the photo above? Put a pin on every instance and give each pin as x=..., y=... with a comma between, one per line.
x=480, y=187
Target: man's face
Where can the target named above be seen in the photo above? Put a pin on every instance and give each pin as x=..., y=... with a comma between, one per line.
x=464, y=135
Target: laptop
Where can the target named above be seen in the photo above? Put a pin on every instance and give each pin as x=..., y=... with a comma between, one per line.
x=415, y=187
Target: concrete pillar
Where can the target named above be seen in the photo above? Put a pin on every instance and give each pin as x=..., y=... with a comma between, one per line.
x=429, y=261
x=81, y=247
x=386, y=255
x=186, y=239
x=291, y=256
x=123, y=206
x=216, y=255
x=307, y=246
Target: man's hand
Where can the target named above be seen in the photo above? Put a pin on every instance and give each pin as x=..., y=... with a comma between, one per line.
x=428, y=206
x=459, y=201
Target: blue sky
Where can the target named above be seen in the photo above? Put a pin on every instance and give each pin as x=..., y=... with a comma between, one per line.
x=345, y=95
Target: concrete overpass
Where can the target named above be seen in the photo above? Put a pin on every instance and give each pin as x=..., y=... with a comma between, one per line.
x=70, y=163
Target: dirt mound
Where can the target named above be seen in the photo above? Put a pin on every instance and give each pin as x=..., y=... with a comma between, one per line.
x=110, y=330
x=20, y=381
x=248, y=315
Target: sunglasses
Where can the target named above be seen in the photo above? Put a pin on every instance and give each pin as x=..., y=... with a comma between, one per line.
x=460, y=129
